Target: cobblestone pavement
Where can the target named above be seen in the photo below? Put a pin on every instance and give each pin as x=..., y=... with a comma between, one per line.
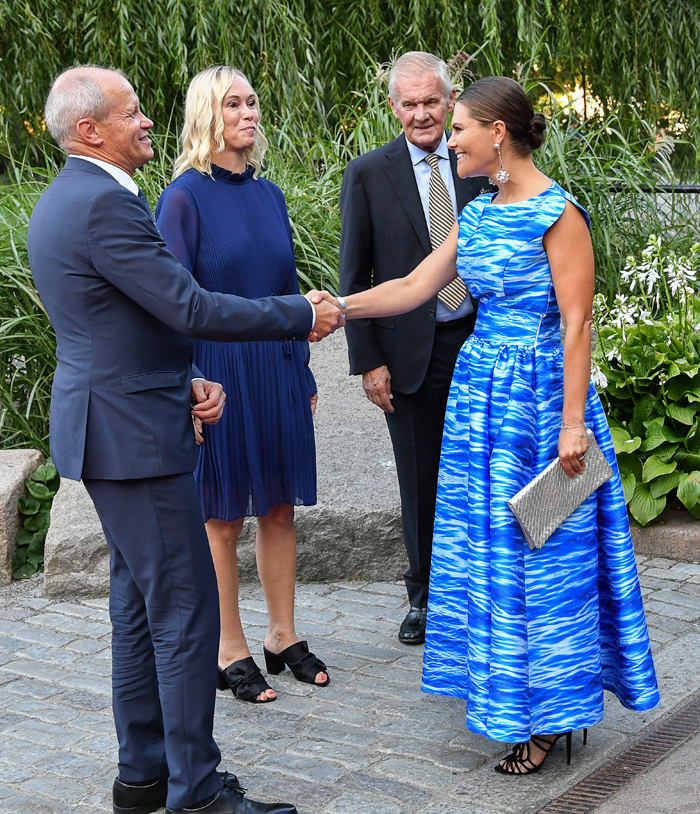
x=369, y=743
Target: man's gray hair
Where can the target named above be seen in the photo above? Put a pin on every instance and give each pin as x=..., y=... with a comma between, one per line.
x=73, y=98
x=418, y=63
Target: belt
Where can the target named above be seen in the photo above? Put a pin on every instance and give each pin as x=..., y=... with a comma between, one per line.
x=453, y=324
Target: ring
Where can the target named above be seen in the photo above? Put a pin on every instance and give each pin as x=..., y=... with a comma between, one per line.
x=582, y=457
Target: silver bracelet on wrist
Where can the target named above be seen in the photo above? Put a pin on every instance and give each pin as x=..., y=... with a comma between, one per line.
x=342, y=303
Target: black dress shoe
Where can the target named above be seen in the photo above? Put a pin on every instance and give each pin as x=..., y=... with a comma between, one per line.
x=412, y=630
x=141, y=799
x=231, y=800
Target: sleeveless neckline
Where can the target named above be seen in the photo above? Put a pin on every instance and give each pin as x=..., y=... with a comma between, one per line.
x=232, y=177
x=521, y=203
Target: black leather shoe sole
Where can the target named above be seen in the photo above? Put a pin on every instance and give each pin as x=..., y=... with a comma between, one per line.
x=230, y=801
x=139, y=799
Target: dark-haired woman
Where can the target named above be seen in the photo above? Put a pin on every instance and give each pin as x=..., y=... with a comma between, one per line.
x=529, y=638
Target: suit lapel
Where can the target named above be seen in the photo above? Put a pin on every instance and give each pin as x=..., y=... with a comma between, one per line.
x=399, y=172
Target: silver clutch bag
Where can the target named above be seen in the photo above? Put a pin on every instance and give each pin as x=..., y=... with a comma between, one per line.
x=545, y=503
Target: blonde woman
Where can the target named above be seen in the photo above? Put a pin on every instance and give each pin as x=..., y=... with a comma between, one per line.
x=230, y=228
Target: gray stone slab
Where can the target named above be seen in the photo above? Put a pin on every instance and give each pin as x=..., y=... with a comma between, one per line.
x=45, y=733
x=310, y=769
x=666, y=575
x=15, y=466
x=81, y=627
x=32, y=688
x=76, y=557
x=674, y=611
x=670, y=788
x=358, y=804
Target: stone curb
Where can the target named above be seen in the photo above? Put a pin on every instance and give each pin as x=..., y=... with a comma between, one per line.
x=16, y=465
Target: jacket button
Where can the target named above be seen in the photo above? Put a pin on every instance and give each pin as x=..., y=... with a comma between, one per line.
x=431, y=313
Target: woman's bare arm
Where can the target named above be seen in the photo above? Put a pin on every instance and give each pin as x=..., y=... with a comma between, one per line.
x=406, y=293
x=570, y=252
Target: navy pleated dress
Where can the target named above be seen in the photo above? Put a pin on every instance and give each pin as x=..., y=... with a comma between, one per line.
x=232, y=232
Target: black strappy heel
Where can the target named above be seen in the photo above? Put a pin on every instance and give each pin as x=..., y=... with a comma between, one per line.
x=304, y=665
x=518, y=761
x=244, y=679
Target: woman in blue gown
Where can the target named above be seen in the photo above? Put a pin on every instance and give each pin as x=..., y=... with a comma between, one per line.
x=230, y=228
x=530, y=639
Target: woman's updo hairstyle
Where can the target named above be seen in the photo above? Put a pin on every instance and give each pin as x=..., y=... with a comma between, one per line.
x=496, y=98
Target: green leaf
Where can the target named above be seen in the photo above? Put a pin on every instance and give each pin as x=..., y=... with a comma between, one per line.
x=25, y=571
x=654, y=435
x=38, y=490
x=687, y=461
x=689, y=489
x=628, y=484
x=666, y=452
x=631, y=464
x=685, y=415
x=35, y=552
x=19, y=557
x=44, y=473
x=29, y=505
x=38, y=522
x=664, y=484
x=24, y=537
x=654, y=467
x=643, y=411
x=619, y=437
x=643, y=506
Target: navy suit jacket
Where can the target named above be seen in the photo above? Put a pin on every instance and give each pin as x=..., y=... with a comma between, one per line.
x=384, y=235
x=126, y=314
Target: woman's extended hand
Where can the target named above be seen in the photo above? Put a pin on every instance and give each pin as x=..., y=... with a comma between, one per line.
x=572, y=451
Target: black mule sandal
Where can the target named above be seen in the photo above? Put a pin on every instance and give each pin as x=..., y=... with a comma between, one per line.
x=244, y=679
x=304, y=665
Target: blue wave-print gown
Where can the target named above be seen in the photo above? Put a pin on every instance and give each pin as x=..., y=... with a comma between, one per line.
x=529, y=638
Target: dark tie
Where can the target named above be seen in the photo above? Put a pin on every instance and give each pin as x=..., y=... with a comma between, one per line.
x=442, y=220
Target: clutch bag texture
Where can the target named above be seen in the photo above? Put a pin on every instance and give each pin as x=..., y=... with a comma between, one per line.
x=545, y=503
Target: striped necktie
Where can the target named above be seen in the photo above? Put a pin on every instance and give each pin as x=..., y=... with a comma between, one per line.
x=442, y=218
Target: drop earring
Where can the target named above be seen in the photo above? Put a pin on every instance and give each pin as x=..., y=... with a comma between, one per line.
x=501, y=176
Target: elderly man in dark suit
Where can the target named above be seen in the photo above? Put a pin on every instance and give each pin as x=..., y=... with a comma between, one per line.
x=397, y=204
x=125, y=312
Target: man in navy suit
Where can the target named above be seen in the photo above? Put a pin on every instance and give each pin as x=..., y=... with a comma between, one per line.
x=407, y=361
x=125, y=314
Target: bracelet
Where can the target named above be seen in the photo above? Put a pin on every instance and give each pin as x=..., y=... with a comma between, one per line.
x=575, y=420
x=577, y=434
x=342, y=303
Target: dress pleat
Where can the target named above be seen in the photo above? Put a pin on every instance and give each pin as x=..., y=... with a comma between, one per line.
x=530, y=639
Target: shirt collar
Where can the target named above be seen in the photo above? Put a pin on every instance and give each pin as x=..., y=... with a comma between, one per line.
x=418, y=155
x=116, y=172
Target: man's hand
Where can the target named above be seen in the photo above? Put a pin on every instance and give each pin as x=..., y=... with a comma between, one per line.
x=198, y=434
x=328, y=316
x=377, y=386
x=207, y=401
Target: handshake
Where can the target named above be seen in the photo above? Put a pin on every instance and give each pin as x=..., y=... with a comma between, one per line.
x=328, y=315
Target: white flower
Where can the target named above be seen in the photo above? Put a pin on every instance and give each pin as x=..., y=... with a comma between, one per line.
x=598, y=377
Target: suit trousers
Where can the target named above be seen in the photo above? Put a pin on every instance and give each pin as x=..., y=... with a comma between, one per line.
x=415, y=428
x=163, y=604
